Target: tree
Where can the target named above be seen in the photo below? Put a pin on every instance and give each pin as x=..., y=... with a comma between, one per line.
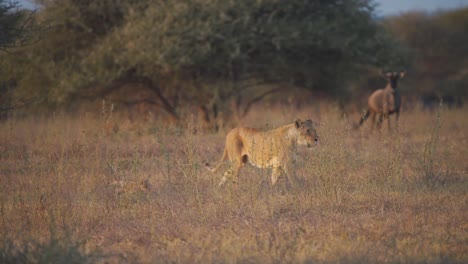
x=16, y=26
x=317, y=45
x=210, y=51
x=72, y=27
x=438, y=42
x=17, y=29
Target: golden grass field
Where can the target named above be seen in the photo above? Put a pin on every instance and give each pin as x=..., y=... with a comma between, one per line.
x=97, y=188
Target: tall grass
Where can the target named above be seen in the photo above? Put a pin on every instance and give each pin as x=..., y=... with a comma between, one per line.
x=429, y=161
x=140, y=192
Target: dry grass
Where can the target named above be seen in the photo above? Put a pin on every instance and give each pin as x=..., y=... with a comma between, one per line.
x=139, y=193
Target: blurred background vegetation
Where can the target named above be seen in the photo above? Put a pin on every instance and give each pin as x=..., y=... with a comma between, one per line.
x=221, y=57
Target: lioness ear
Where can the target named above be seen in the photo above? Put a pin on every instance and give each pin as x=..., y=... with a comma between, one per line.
x=298, y=123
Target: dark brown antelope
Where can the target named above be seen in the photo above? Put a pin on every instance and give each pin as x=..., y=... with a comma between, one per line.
x=385, y=102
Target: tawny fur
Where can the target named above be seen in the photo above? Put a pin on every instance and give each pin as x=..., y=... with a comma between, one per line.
x=384, y=102
x=265, y=149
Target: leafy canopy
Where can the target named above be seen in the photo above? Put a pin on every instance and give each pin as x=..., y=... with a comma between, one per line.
x=315, y=44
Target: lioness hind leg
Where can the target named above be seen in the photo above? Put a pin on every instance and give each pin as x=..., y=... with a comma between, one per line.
x=226, y=176
x=230, y=174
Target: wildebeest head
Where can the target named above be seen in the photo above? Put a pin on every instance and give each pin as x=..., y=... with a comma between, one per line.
x=393, y=77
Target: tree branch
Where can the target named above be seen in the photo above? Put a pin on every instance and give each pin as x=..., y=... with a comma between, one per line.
x=129, y=78
x=135, y=102
x=24, y=104
x=258, y=99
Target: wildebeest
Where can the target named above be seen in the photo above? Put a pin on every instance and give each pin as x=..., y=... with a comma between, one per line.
x=386, y=101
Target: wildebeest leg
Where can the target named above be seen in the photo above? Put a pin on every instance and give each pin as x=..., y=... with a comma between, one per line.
x=364, y=117
x=397, y=120
x=372, y=117
x=379, y=122
x=388, y=122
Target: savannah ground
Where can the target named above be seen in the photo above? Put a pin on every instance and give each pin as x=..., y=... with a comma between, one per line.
x=99, y=188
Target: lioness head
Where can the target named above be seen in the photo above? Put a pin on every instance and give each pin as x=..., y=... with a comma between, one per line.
x=307, y=135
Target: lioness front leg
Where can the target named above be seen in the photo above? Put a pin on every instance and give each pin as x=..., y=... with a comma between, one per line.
x=291, y=176
x=275, y=175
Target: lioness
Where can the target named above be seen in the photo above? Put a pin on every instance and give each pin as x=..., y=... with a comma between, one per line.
x=265, y=149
